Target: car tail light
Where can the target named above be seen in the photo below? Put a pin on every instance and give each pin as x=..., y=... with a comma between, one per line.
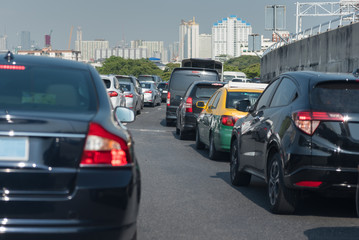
x=12, y=67
x=189, y=105
x=129, y=95
x=313, y=184
x=149, y=91
x=112, y=94
x=168, y=98
x=308, y=121
x=228, y=120
x=104, y=148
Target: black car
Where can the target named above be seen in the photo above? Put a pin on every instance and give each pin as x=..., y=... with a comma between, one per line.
x=68, y=169
x=187, y=112
x=302, y=134
x=163, y=87
x=180, y=80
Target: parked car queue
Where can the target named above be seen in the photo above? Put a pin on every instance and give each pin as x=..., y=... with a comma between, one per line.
x=299, y=134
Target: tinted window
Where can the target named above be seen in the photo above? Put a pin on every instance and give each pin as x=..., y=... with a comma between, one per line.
x=266, y=96
x=285, y=93
x=210, y=102
x=125, y=87
x=202, y=91
x=146, y=78
x=234, y=97
x=215, y=102
x=336, y=97
x=163, y=86
x=180, y=80
x=107, y=83
x=45, y=89
x=146, y=85
x=124, y=79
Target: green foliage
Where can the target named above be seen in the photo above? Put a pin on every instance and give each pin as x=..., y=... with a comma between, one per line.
x=250, y=65
x=168, y=70
x=118, y=65
x=253, y=70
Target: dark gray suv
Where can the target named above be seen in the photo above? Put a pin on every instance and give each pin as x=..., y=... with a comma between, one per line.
x=181, y=79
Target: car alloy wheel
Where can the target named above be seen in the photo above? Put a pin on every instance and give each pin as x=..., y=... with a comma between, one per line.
x=282, y=199
x=237, y=178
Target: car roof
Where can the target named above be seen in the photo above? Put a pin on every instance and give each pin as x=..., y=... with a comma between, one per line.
x=245, y=86
x=42, y=61
x=316, y=77
x=194, y=68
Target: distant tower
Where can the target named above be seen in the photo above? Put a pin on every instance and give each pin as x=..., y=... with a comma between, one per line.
x=188, y=39
x=25, y=40
x=78, y=42
x=48, y=39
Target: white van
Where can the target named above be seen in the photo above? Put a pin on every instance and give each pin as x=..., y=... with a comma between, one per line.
x=228, y=76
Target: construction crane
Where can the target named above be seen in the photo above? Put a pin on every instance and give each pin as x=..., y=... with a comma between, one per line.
x=69, y=47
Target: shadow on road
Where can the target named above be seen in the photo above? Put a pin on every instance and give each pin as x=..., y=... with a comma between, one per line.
x=310, y=204
x=332, y=233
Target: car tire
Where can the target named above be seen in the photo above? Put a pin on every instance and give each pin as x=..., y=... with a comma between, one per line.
x=238, y=178
x=152, y=104
x=177, y=131
x=199, y=144
x=182, y=135
x=357, y=200
x=282, y=200
x=212, y=153
x=169, y=123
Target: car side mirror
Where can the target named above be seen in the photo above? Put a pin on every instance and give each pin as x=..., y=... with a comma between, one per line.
x=124, y=115
x=243, y=105
x=200, y=104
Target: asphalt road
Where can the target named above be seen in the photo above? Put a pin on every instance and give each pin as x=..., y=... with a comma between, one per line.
x=185, y=195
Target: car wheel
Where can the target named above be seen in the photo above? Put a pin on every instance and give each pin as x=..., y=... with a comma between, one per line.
x=177, y=130
x=199, y=144
x=238, y=178
x=282, y=199
x=169, y=123
x=152, y=104
x=182, y=135
x=213, y=153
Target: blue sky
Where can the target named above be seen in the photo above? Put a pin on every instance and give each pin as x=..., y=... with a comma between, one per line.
x=115, y=20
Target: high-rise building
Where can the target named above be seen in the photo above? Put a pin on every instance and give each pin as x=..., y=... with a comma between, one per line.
x=173, y=52
x=154, y=48
x=188, y=39
x=3, y=43
x=230, y=36
x=25, y=41
x=88, y=48
x=205, y=46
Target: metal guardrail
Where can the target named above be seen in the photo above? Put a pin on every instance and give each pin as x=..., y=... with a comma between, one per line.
x=330, y=25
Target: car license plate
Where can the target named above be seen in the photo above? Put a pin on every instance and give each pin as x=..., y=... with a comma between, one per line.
x=14, y=148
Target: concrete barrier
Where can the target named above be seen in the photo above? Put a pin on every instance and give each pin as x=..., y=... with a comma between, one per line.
x=332, y=51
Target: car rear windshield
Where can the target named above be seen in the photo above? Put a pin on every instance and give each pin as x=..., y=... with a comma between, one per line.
x=234, y=97
x=107, y=83
x=202, y=91
x=124, y=79
x=125, y=87
x=146, y=85
x=47, y=89
x=164, y=86
x=180, y=80
x=338, y=96
x=145, y=78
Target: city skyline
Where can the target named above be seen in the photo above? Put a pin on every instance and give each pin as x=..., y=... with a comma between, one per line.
x=116, y=21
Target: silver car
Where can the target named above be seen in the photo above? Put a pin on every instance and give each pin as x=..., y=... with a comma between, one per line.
x=133, y=99
x=114, y=92
x=151, y=93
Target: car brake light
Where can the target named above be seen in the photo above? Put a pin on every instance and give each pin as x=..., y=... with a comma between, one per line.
x=228, y=120
x=168, y=98
x=129, y=95
x=189, y=105
x=104, y=148
x=308, y=121
x=314, y=184
x=149, y=91
x=112, y=94
x=12, y=67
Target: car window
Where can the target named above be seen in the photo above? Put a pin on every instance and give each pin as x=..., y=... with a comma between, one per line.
x=47, y=89
x=125, y=87
x=216, y=100
x=180, y=80
x=107, y=83
x=204, y=91
x=338, y=96
x=210, y=102
x=285, y=93
x=145, y=78
x=266, y=96
x=146, y=85
x=234, y=97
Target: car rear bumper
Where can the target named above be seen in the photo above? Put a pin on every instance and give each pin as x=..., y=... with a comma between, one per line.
x=329, y=177
x=103, y=205
x=171, y=113
x=190, y=122
x=225, y=134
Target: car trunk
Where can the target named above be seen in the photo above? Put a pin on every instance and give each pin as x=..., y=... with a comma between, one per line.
x=39, y=156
